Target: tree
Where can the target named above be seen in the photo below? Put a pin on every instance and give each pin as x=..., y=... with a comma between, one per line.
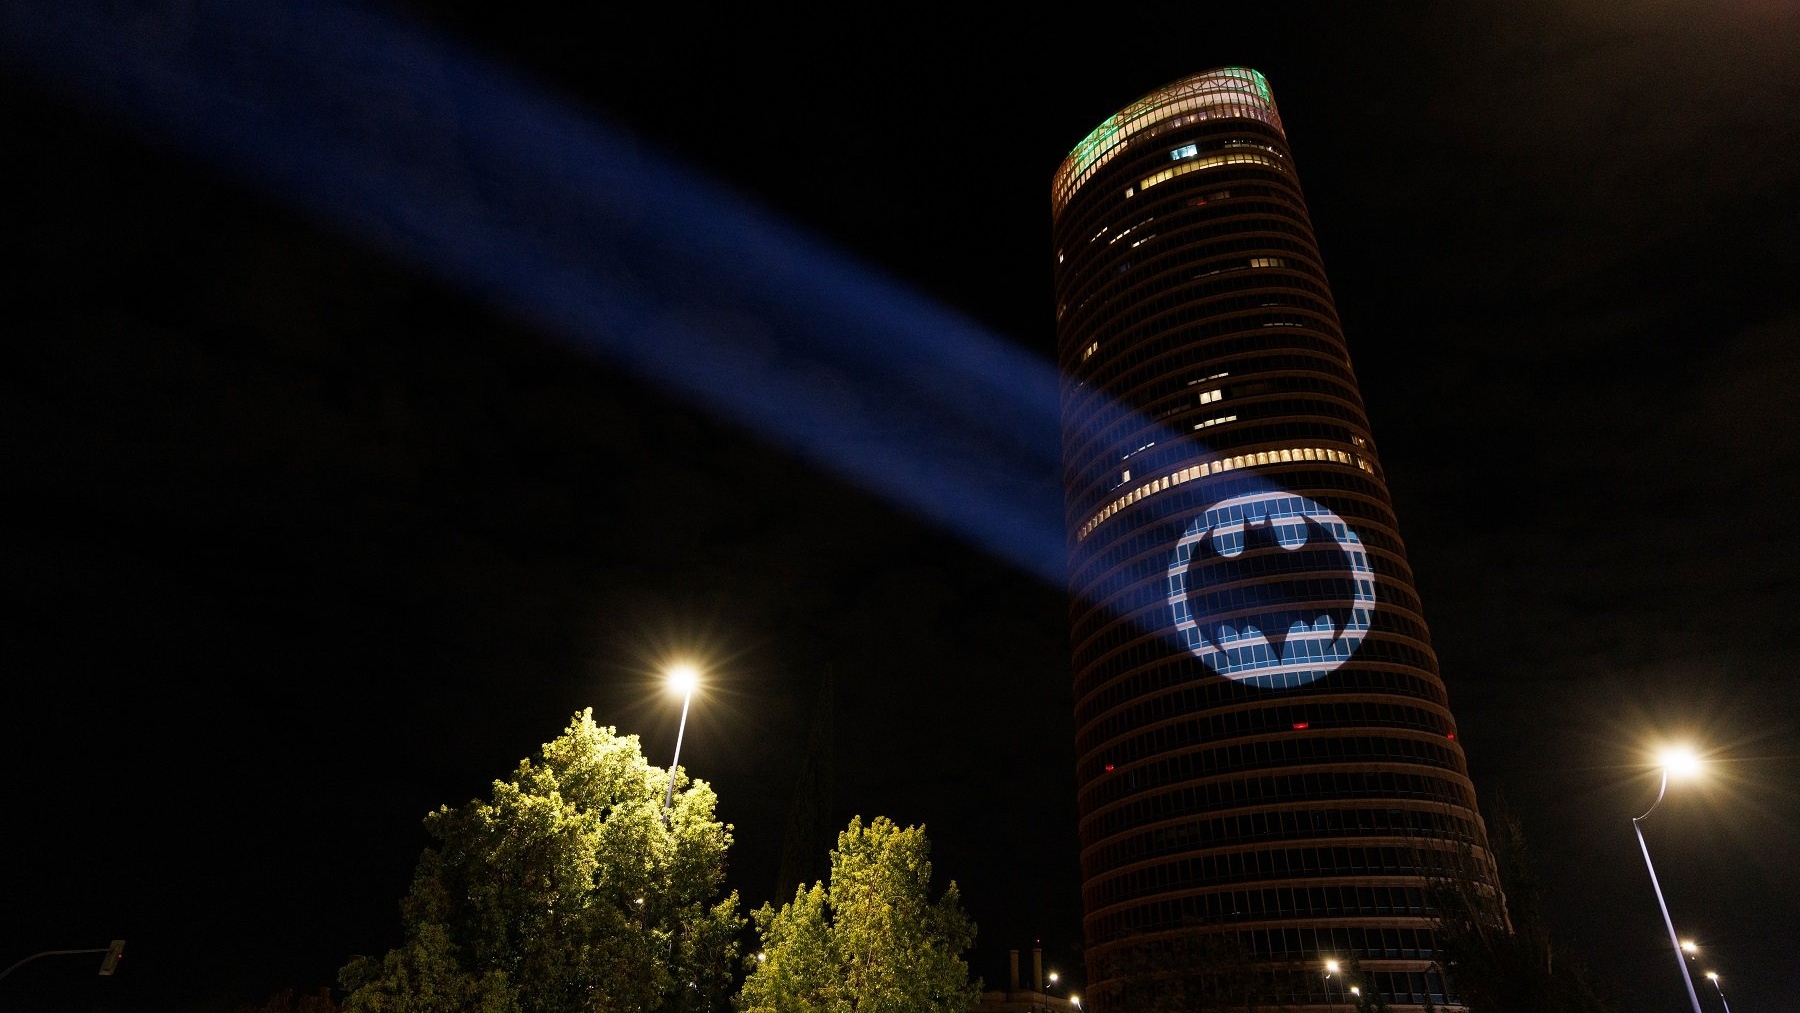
x=568, y=890
x=1492, y=933
x=872, y=942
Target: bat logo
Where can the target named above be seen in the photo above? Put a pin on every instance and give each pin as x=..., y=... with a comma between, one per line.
x=1271, y=589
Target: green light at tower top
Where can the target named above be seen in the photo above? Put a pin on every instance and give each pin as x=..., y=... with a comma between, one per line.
x=1225, y=92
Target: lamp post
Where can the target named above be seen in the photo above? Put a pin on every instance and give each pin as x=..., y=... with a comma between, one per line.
x=1713, y=976
x=1331, y=967
x=1683, y=762
x=682, y=679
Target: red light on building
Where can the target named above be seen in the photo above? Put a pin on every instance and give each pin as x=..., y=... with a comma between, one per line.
x=1109, y=768
x=1298, y=725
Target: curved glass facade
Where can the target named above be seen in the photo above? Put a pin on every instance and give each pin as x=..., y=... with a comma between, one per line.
x=1268, y=771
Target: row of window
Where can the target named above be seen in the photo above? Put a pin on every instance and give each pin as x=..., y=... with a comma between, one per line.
x=1268, y=866
x=1251, y=200
x=1175, y=644
x=1228, y=96
x=1134, y=583
x=1435, y=825
x=1286, y=455
x=1195, y=163
x=1093, y=409
x=1191, y=687
x=1161, y=631
x=1172, y=276
x=1099, y=570
x=1241, y=440
x=1150, y=621
x=1287, y=987
x=1253, y=432
x=1252, y=401
x=1097, y=426
x=1181, y=340
x=1358, y=715
x=1221, y=697
x=1324, y=374
x=1094, y=278
x=1129, y=555
x=1198, y=263
x=1272, y=903
x=1211, y=710
x=1300, y=661
x=1190, y=236
x=1193, y=799
x=1106, y=786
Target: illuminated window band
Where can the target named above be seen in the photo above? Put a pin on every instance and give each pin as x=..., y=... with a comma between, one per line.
x=1209, y=162
x=1271, y=562
x=1284, y=456
x=1226, y=93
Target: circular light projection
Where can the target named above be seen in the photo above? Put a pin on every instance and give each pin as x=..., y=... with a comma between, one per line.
x=1271, y=589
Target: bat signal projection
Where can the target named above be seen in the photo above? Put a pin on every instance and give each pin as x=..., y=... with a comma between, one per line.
x=1271, y=589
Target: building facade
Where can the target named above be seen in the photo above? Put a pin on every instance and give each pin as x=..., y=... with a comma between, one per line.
x=1270, y=785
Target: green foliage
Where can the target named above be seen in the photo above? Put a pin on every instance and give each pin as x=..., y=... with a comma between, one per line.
x=567, y=890
x=872, y=942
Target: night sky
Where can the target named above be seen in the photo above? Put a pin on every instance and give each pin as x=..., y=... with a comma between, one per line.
x=307, y=536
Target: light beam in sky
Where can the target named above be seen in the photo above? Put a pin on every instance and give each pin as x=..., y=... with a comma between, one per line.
x=455, y=165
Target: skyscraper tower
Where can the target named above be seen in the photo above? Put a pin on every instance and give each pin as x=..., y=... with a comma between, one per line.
x=1269, y=780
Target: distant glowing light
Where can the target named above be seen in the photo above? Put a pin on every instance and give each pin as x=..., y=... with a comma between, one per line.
x=1298, y=725
x=683, y=678
x=1679, y=761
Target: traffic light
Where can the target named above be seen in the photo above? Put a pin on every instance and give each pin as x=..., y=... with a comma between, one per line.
x=110, y=962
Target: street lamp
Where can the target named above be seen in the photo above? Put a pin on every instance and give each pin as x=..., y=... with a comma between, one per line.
x=1681, y=762
x=682, y=679
x=1713, y=976
x=1331, y=967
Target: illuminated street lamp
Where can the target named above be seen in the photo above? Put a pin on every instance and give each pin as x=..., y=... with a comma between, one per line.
x=1713, y=976
x=1680, y=762
x=1331, y=967
x=682, y=679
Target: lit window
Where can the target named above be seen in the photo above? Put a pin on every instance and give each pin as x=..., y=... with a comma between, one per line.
x=1215, y=467
x=1185, y=151
x=1209, y=162
x=1268, y=262
x=1209, y=396
x=1089, y=350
